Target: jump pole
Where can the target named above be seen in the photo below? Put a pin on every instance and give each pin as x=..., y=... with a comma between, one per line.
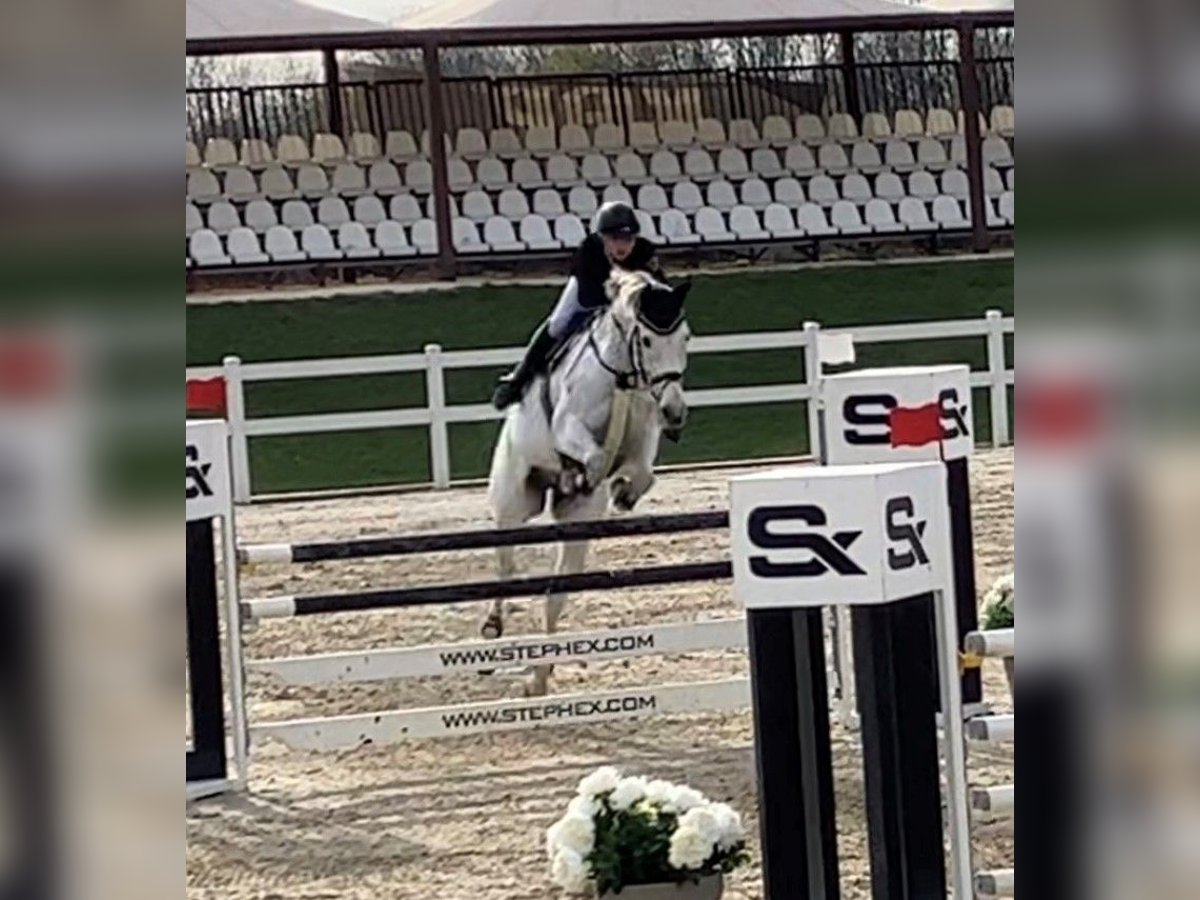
x=870, y=537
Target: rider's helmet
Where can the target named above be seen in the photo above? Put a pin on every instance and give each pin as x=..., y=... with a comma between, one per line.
x=617, y=219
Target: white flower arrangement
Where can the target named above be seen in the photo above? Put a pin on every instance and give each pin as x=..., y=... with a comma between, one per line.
x=620, y=831
x=999, y=604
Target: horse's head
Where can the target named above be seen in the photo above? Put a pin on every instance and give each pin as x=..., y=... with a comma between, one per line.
x=652, y=316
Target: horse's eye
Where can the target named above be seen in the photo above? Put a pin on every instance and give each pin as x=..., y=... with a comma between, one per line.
x=645, y=342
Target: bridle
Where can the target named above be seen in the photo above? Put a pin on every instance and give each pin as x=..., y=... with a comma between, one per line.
x=638, y=378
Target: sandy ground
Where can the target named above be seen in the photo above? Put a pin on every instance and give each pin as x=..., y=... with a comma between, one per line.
x=463, y=818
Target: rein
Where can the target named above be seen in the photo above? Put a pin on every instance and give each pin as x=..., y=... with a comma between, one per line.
x=638, y=379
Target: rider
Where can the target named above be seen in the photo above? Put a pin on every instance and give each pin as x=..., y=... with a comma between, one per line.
x=614, y=241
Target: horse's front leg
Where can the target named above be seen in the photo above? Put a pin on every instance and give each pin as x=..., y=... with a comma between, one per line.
x=630, y=485
x=573, y=440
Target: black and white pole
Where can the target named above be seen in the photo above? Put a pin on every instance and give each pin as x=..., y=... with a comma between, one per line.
x=865, y=536
x=208, y=498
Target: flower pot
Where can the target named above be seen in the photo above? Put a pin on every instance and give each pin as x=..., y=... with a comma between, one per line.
x=1010, y=670
x=708, y=888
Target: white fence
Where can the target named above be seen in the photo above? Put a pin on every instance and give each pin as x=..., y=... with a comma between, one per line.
x=437, y=415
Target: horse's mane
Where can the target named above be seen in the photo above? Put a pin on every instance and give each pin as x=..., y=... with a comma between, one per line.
x=627, y=283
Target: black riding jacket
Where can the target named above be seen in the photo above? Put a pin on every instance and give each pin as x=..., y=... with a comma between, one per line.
x=591, y=267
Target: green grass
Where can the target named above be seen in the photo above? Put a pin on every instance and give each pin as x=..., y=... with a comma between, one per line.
x=504, y=315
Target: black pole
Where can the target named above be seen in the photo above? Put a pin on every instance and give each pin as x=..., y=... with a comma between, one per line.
x=850, y=76
x=333, y=91
x=962, y=544
x=793, y=754
x=435, y=99
x=968, y=78
x=206, y=759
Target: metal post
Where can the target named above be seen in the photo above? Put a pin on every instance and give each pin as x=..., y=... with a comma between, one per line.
x=850, y=75
x=968, y=82
x=446, y=263
x=435, y=401
x=333, y=91
x=235, y=415
x=812, y=377
x=958, y=814
x=235, y=657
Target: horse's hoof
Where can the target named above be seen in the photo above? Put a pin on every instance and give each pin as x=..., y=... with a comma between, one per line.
x=534, y=690
x=492, y=628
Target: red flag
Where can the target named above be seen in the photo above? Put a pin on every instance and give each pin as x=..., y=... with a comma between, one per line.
x=1062, y=412
x=206, y=395
x=914, y=426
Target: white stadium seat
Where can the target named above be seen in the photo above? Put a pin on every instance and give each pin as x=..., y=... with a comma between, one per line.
x=744, y=223
x=364, y=147
x=470, y=143
x=881, y=217
x=527, y=174
x=202, y=186
x=1008, y=207
x=909, y=124
x=332, y=212
x=962, y=122
x=948, y=214
x=652, y=198
x=617, y=193
x=810, y=218
x=513, y=204
x=996, y=151
x=426, y=149
x=431, y=207
x=492, y=173
x=425, y=237
x=993, y=183
x=574, y=139
x=732, y=164
x=192, y=219
x=458, y=173
x=562, y=171
x=205, y=248
x=548, y=202
x=643, y=136
x=260, y=215
x=686, y=196
x=220, y=152
x=939, y=122
x=710, y=133
x=609, y=137
x=466, y=237
x=856, y=189
x=349, y=180
x=384, y=178
x=822, y=190
x=958, y=150
x=721, y=195
x=1010, y=178
x=223, y=217
x=889, y=187
x=789, y=192
x=922, y=186
x=369, y=211
x=777, y=131
x=400, y=146
x=931, y=154
x=291, y=149
x=569, y=230
x=664, y=167
x=276, y=183
x=994, y=219
x=832, y=158
x=498, y=233
x=318, y=243
x=898, y=155
x=535, y=232
x=355, y=242
x=810, y=129
x=698, y=165
x=244, y=248
x=296, y=215
x=240, y=184
x=954, y=183
x=676, y=229
x=280, y=244
x=312, y=181
x=744, y=133
x=677, y=134
x=404, y=209
x=328, y=148
x=777, y=219
x=191, y=156
x=646, y=221
x=865, y=157
x=755, y=193
x=845, y=217
x=711, y=227
x=392, y=241
x=505, y=143
x=630, y=169
x=799, y=160
x=765, y=162
x=582, y=201
x=1004, y=120
x=876, y=127
x=914, y=215
x=418, y=176
x=596, y=170
x=842, y=127
x=477, y=206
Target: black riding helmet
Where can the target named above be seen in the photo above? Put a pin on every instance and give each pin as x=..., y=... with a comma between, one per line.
x=616, y=218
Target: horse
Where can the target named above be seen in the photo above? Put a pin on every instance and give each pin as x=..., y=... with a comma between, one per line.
x=587, y=432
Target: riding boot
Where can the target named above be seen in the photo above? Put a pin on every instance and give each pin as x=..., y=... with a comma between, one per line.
x=512, y=386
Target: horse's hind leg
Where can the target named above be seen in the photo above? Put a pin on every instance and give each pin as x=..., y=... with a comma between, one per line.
x=514, y=502
x=572, y=555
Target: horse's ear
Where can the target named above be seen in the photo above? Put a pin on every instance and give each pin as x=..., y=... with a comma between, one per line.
x=681, y=290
